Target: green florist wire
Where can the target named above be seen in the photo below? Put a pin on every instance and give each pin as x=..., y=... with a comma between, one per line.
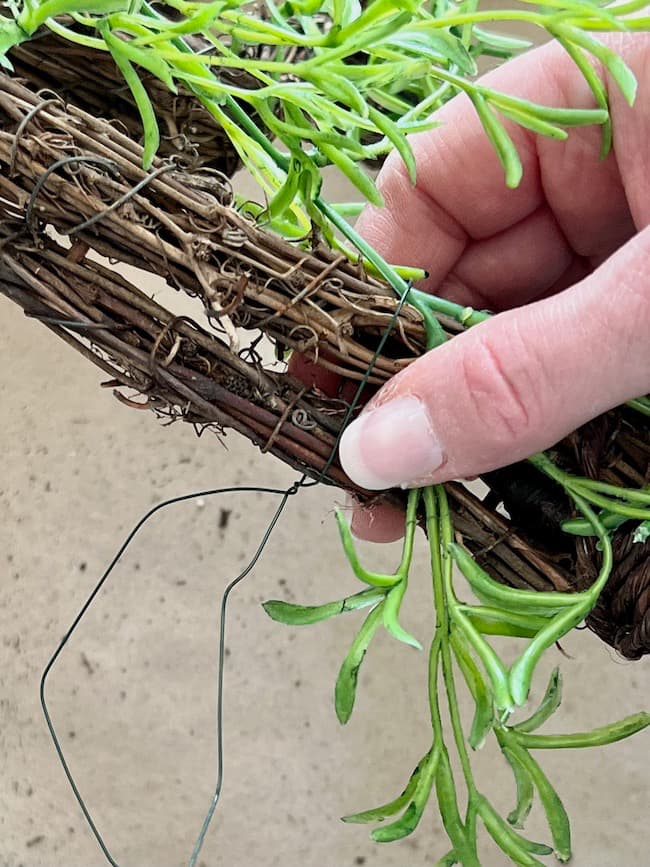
x=340, y=82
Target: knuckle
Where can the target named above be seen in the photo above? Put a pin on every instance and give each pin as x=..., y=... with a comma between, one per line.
x=502, y=393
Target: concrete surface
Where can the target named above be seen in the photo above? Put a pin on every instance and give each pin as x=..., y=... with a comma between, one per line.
x=133, y=696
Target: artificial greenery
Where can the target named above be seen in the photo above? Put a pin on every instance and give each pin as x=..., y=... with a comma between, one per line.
x=340, y=82
x=459, y=644
x=341, y=71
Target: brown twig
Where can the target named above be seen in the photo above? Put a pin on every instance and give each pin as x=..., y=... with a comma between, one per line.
x=63, y=167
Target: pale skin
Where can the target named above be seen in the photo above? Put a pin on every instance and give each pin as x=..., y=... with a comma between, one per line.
x=564, y=260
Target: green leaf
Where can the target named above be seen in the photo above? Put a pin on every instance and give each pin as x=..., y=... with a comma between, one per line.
x=595, y=84
x=298, y=126
x=548, y=705
x=140, y=95
x=391, y=614
x=494, y=667
x=642, y=533
x=483, y=719
x=556, y=815
x=376, y=579
x=32, y=18
x=583, y=527
x=147, y=59
x=561, y=116
x=354, y=173
x=598, y=737
x=495, y=595
x=495, y=621
x=285, y=196
x=640, y=404
x=346, y=683
x=448, y=860
x=343, y=12
x=340, y=89
x=498, y=44
x=10, y=36
x=348, y=209
x=523, y=668
x=204, y=18
x=513, y=844
x=533, y=123
x=618, y=69
x=435, y=45
x=408, y=822
x=525, y=790
x=378, y=814
x=464, y=847
x=501, y=141
x=397, y=138
x=305, y=615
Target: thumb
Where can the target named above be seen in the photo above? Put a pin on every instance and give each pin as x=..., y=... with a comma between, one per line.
x=513, y=385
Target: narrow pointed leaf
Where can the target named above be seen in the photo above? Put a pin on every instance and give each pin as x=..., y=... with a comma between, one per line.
x=525, y=790
x=498, y=42
x=448, y=860
x=533, y=123
x=523, y=669
x=494, y=667
x=595, y=84
x=140, y=95
x=495, y=621
x=599, y=737
x=483, y=719
x=501, y=141
x=391, y=614
x=548, y=705
x=413, y=813
x=397, y=139
x=556, y=815
x=354, y=173
x=618, y=69
x=520, y=850
x=304, y=615
x=464, y=847
x=374, y=578
x=495, y=595
x=285, y=196
x=346, y=683
x=149, y=60
x=378, y=814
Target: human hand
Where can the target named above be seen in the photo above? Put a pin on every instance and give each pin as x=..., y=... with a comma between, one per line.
x=564, y=259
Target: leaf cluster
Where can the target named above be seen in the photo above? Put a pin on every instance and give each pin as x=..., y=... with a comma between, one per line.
x=335, y=82
x=497, y=688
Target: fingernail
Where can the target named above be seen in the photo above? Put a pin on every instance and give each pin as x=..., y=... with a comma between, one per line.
x=393, y=445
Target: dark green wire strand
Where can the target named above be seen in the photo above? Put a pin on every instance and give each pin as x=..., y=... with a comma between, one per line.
x=284, y=494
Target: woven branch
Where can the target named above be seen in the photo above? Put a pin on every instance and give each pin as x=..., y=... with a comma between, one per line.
x=81, y=174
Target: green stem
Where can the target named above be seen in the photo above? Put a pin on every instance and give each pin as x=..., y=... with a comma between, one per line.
x=466, y=316
x=440, y=533
x=435, y=334
x=640, y=404
x=446, y=538
x=410, y=526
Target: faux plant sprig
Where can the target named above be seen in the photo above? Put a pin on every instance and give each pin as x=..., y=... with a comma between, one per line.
x=337, y=82
x=496, y=687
